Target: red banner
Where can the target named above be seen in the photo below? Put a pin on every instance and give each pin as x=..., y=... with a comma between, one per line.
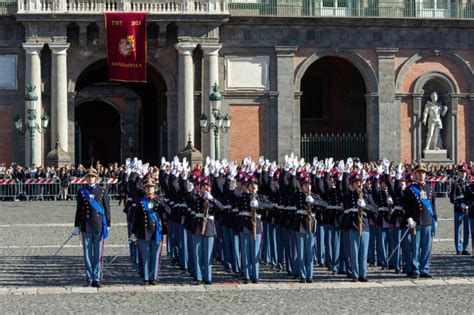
x=126, y=46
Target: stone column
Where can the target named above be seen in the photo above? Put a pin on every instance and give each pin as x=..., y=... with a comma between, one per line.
x=416, y=123
x=372, y=116
x=210, y=76
x=388, y=110
x=185, y=93
x=33, y=75
x=288, y=135
x=59, y=97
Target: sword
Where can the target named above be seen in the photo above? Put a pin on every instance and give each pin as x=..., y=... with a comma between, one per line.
x=62, y=246
x=114, y=259
x=399, y=243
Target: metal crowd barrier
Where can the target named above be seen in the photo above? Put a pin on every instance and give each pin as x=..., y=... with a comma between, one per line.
x=10, y=189
x=111, y=184
x=40, y=188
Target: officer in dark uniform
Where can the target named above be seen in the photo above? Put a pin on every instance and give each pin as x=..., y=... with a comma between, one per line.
x=461, y=208
x=147, y=231
x=470, y=202
x=93, y=221
x=420, y=208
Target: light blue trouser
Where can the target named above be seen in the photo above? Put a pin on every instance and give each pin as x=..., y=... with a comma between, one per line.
x=265, y=252
x=183, y=245
x=288, y=252
x=345, y=260
x=305, y=254
x=150, y=252
x=250, y=254
x=396, y=233
x=359, y=251
x=293, y=252
x=471, y=223
x=236, y=262
x=382, y=245
x=92, y=245
x=227, y=241
x=421, y=246
x=372, y=237
x=320, y=253
x=272, y=231
x=203, y=257
x=461, y=219
x=334, y=243
x=189, y=237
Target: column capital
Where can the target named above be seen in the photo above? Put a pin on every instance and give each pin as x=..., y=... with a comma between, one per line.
x=386, y=52
x=59, y=49
x=185, y=48
x=33, y=48
x=211, y=48
x=285, y=51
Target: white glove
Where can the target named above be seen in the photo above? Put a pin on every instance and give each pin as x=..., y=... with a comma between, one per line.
x=361, y=203
x=76, y=230
x=133, y=237
x=464, y=206
x=208, y=196
x=389, y=201
x=341, y=166
x=232, y=185
x=411, y=223
x=349, y=164
x=254, y=204
x=380, y=169
x=190, y=187
x=309, y=199
x=386, y=164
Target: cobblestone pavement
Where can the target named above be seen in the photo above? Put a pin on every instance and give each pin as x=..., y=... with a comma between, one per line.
x=32, y=280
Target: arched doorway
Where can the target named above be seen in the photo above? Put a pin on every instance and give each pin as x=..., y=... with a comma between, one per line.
x=142, y=107
x=97, y=139
x=333, y=110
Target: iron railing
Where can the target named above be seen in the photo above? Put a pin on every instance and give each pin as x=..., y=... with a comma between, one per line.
x=8, y=7
x=424, y=9
x=336, y=145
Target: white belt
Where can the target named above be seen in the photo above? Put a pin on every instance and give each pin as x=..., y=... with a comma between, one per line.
x=235, y=210
x=134, y=204
x=193, y=212
x=180, y=205
x=383, y=209
x=351, y=210
x=303, y=212
x=227, y=207
x=244, y=213
x=199, y=215
x=335, y=207
x=398, y=208
x=459, y=197
x=291, y=208
x=171, y=203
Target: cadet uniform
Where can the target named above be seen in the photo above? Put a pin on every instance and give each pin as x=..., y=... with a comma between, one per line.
x=421, y=208
x=356, y=206
x=93, y=221
x=147, y=231
x=461, y=217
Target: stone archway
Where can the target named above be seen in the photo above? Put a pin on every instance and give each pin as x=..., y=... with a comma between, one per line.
x=334, y=88
x=143, y=107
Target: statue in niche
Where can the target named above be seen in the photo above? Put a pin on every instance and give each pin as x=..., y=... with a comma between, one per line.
x=432, y=115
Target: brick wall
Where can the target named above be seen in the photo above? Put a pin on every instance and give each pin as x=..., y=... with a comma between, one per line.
x=246, y=133
x=462, y=130
x=406, y=109
x=6, y=134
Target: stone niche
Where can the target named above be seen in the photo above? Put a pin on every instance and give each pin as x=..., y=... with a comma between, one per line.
x=445, y=88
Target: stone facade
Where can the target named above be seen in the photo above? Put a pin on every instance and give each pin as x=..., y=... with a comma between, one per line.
x=397, y=59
